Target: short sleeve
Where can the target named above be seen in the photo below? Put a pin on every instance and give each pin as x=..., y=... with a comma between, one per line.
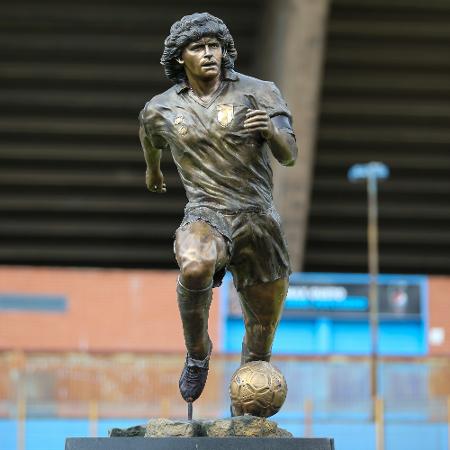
x=154, y=125
x=272, y=101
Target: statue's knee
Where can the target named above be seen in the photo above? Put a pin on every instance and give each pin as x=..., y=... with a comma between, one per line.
x=197, y=274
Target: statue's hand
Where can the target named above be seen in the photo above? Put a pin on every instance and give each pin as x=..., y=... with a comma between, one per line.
x=155, y=181
x=258, y=120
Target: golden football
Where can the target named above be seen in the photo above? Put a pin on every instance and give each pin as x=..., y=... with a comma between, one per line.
x=257, y=388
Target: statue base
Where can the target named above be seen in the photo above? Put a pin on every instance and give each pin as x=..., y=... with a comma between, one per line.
x=198, y=443
x=236, y=433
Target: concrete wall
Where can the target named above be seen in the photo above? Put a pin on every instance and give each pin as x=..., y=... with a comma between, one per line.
x=106, y=310
x=294, y=42
x=131, y=310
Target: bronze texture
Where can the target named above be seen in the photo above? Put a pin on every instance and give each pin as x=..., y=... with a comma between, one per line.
x=221, y=128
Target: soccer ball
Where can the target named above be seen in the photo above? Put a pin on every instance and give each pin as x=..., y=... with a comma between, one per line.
x=257, y=388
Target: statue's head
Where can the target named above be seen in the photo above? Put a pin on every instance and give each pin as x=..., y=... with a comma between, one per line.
x=190, y=29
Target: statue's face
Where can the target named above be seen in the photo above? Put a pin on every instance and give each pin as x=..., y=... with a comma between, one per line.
x=203, y=58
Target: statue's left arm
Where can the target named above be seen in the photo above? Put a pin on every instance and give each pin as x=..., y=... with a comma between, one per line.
x=271, y=117
x=277, y=132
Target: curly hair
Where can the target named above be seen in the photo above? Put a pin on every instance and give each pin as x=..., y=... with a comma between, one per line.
x=190, y=29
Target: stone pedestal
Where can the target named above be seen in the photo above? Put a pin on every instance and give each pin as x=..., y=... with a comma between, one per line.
x=236, y=433
x=241, y=426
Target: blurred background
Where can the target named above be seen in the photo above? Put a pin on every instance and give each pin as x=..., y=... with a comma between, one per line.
x=90, y=336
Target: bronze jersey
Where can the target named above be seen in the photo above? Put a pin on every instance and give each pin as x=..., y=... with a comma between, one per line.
x=222, y=166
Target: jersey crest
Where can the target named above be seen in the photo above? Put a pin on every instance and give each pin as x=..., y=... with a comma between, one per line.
x=180, y=126
x=225, y=114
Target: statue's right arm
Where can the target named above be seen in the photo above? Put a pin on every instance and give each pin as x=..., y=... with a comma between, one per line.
x=154, y=178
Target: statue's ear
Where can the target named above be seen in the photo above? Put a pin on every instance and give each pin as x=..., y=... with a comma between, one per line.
x=179, y=61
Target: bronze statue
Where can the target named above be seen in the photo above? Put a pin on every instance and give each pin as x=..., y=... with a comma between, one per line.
x=220, y=127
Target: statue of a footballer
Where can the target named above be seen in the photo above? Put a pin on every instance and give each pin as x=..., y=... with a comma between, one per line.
x=220, y=127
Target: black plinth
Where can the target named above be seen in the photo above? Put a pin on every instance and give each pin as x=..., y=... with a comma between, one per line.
x=198, y=443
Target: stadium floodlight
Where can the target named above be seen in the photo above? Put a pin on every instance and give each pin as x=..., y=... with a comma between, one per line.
x=371, y=173
x=373, y=170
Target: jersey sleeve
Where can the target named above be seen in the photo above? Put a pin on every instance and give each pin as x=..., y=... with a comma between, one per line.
x=273, y=102
x=154, y=126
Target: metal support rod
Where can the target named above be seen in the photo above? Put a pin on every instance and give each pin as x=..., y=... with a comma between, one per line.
x=372, y=242
x=21, y=415
x=372, y=172
x=308, y=423
x=93, y=418
x=379, y=424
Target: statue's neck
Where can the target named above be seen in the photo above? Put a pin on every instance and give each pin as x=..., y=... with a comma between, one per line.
x=204, y=89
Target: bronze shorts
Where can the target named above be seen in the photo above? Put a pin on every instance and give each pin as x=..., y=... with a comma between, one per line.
x=256, y=244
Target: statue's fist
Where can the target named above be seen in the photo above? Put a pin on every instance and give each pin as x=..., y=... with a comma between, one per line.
x=155, y=181
x=258, y=120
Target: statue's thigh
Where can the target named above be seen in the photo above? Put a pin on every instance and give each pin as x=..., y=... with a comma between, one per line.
x=199, y=242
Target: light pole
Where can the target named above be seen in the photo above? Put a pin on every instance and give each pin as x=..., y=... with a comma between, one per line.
x=372, y=172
